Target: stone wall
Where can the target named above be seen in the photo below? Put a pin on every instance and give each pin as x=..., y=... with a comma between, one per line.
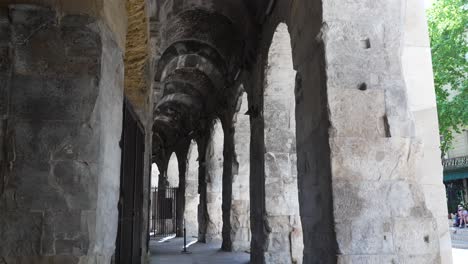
x=354, y=125
x=374, y=149
x=113, y=14
x=62, y=184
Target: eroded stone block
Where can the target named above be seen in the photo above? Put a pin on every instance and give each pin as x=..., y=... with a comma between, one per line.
x=416, y=236
x=21, y=233
x=355, y=113
x=382, y=159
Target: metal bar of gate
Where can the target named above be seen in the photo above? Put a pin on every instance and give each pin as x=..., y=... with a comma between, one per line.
x=164, y=211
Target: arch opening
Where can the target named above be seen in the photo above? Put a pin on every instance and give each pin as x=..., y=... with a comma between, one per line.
x=173, y=174
x=284, y=239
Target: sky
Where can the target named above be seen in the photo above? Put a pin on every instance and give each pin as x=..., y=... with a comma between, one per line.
x=428, y=3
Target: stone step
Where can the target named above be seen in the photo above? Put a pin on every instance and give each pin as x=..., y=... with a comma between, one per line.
x=461, y=237
x=459, y=244
x=459, y=231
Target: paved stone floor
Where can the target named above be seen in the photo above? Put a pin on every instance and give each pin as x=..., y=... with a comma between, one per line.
x=169, y=252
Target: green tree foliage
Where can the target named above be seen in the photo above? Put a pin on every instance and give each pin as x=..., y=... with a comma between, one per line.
x=448, y=30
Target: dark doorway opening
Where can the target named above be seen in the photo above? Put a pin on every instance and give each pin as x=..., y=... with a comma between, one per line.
x=128, y=244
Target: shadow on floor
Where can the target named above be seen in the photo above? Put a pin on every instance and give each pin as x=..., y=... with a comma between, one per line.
x=169, y=252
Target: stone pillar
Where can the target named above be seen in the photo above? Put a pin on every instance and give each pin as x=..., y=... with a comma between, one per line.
x=6, y=146
x=285, y=243
x=61, y=186
x=417, y=71
x=228, y=159
x=192, y=198
x=182, y=162
x=240, y=210
x=257, y=167
x=202, y=189
x=384, y=208
x=214, y=179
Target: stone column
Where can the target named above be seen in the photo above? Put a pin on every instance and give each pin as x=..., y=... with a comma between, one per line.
x=240, y=210
x=182, y=162
x=6, y=146
x=214, y=183
x=61, y=186
x=285, y=243
x=202, y=189
x=228, y=154
x=257, y=167
x=385, y=208
x=192, y=198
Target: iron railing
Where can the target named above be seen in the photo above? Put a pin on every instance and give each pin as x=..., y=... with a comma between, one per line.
x=163, y=212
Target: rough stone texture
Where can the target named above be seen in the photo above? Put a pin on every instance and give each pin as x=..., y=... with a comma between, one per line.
x=63, y=182
x=375, y=153
x=417, y=70
x=282, y=205
x=113, y=14
x=214, y=173
x=59, y=157
x=192, y=198
x=173, y=171
x=240, y=211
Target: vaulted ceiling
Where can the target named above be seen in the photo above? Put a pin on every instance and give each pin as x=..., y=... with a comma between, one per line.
x=203, y=47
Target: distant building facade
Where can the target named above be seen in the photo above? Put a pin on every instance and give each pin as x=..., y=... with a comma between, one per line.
x=456, y=171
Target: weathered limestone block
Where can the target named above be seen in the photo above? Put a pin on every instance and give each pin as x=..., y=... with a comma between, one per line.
x=416, y=236
x=214, y=173
x=192, y=198
x=240, y=209
x=374, y=236
x=356, y=113
x=381, y=159
x=383, y=212
x=21, y=233
x=65, y=124
x=281, y=188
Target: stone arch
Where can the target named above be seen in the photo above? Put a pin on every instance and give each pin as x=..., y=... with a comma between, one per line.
x=173, y=171
x=312, y=135
x=284, y=243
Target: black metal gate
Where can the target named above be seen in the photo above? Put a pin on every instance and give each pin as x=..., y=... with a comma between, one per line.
x=129, y=236
x=163, y=211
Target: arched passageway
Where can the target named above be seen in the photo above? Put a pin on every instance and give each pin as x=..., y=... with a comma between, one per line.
x=68, y=67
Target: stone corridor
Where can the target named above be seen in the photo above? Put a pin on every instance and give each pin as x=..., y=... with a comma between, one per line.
x=300, y=131
x=169, y=252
